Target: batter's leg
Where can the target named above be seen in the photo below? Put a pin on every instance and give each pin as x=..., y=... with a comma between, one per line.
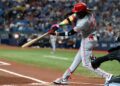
x=53, y=46
x=86, y=52
x=64, y=79
x=73, y=66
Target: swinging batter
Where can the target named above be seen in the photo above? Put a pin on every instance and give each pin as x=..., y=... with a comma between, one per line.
x=86, y=25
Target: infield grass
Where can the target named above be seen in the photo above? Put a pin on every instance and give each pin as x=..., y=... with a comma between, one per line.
x=60, y=60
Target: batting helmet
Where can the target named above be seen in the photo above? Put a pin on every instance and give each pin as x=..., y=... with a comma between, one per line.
x=79, y=7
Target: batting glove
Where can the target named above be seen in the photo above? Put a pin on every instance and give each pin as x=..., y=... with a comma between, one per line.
x=53, y=29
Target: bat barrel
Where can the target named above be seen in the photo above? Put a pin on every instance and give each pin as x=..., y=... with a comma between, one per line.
x=34, y=40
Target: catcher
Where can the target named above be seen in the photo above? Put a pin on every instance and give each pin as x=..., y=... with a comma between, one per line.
x=114, y=54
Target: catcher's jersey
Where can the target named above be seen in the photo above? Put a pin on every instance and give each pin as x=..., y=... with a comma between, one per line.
x=86, y=25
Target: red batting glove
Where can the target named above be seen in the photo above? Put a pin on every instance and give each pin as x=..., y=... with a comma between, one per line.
x=53, y=29
x=51, y=32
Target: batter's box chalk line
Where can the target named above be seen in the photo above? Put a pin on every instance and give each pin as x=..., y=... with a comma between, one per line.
x=70, y=83
x=44, y=83
x=4, y=63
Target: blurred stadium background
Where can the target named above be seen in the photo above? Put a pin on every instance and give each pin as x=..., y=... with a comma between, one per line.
x=21, y=20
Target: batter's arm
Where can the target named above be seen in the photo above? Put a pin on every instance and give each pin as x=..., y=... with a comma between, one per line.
x=68, y=20
x=71, y=32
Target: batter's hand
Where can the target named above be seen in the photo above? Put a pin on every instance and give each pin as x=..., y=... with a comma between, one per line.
x=53, y=29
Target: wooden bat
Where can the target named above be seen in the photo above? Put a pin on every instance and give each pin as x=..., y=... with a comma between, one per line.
x=34, y=40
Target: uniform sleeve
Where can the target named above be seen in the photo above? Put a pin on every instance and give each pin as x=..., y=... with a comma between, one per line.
x=68, y=20
x=81, y=25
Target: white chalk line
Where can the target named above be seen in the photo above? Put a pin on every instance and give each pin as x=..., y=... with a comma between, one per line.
x=8, y=85
x=30, y=84
x=51, y=84
x=40, y=82
x=75, y=83
x=69, y=83
x=23, y=76
x=4, y=63
x=55, y=57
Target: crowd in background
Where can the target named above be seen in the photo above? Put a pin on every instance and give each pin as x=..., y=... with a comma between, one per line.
x=38, y=15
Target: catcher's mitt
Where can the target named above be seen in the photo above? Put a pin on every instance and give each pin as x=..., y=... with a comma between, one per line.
x=115, y=55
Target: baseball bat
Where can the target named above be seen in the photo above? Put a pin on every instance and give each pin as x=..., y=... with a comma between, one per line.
x=34, y=40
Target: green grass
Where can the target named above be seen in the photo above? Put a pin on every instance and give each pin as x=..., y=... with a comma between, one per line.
x=42, y=58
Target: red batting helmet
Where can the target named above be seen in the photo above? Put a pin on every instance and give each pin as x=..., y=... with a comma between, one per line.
x=79, y=7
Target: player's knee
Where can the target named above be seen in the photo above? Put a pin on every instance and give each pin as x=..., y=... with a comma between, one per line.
x=87, y=65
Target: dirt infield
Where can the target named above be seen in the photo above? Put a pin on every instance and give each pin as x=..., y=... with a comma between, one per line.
x=24, y=75
x=17, y=74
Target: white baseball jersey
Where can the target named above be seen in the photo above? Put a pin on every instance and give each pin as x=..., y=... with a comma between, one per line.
x=86, y=26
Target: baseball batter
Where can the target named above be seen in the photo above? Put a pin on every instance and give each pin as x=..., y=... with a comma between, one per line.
x=86, y=25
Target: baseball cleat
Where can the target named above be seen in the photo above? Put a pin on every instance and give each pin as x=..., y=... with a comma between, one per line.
x=61, y=81
x=108, y=79
x=114, y=81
